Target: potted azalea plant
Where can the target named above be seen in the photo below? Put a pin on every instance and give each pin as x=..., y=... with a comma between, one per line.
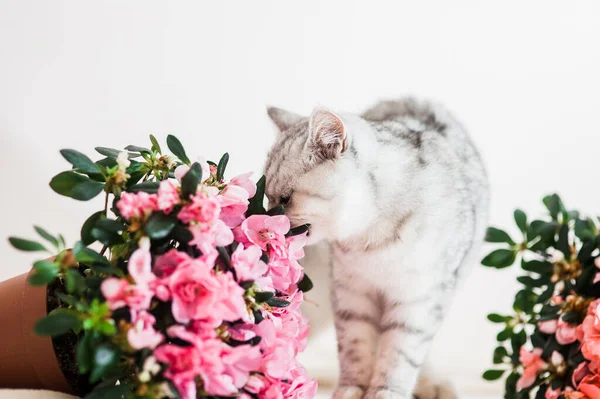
x=181, y=286
x=549, y=344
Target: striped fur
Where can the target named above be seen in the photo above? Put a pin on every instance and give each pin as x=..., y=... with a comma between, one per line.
x=401, y=195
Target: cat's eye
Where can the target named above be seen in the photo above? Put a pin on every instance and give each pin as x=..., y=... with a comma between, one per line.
x=284, y=200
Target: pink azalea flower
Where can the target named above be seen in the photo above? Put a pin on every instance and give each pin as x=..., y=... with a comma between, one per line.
x=181, y=170
x=263, y=230
x=565, y=333
x=168, y=196
x=137, y=205
x=579, y=373
x=533, y=363
x=232, y=305
x=548, y=326
x=588, y=333
x=247, y=263
x=184, y=364
x=167, y=264
x=195, y=292
x=239, y=362
x=202, y=209
x=278, y=360
x=120, y=293
x=140, y=267
x=590, y=386
x=206, y=239
x=234, y=204
x=302, y=387
x=244, y=182
x=142, y=333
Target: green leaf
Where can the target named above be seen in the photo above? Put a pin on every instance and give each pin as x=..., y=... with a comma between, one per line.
x=571, y=317
x=563, y=241
x=111, y=225
x=105, y=358
x=536, y=266
x=76, y=186
x=93, y=259
x=155, y=145
x=500, y=258
x=45, y=272
x=74, y=282
x=108, y=238
x=112, y=153
x=305, y=284
x=530, y=282
x=84, y=353
x=499, y=236
x=86, y=230
x=303, y=228
x=275, y=211
x=47, y=236
x=521, y=220
x=492, y=375
x=261, y=297
x=190, y=181
x=278, y=303
x=177, y=149
x=585, y=229
x=504, y=334
x=222, y=166
x=525, y=300
x=496, y=318
x=553, y=203
x=80, y=161
x=499, y=354
x=159, y=225
x=59, y=322
x=256, y=205
x=135, y=148
x=150, y=187
x=25, y=245
x=224, y=256
x=110, y=392
x=516, y=342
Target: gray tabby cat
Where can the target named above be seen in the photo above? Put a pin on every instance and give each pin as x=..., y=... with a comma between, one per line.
x=402, y=196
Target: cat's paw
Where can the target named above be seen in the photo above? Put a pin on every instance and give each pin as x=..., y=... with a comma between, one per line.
x=383, y=393
x=348, y=392
x=429, y=389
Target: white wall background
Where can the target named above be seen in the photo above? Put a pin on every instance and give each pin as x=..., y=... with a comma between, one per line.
x=522, y=75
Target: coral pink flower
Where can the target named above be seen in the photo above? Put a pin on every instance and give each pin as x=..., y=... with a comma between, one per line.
x=244, y=182
x=167, y=264
x=247, y=263
x=302, y=387
x=168, y=196
x=552, y=393
x=238, y=363
x=588, y=333
x=137, y=205
x=590, y=386
x=579, y=373
x=533, y=363
x=142, y=333
x=548, y=326
x=565, y=333
x=202, y=209
x=264, y=230
x=120, y=293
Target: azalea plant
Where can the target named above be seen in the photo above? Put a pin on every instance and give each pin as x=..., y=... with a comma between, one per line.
x=549, y=345
x=182, y=286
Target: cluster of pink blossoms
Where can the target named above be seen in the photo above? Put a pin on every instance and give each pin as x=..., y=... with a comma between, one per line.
x=586, y=376
x=234, y=345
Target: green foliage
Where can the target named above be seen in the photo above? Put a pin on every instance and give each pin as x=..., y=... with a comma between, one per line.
x=177, y=149
x=159, y=225
x=256, y=206
x=557, y=257
x=76, y=186
x=221, y=167
x=26, y=245
x=190, y=181
x=59, y=322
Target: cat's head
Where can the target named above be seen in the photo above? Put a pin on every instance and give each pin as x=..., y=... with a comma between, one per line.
x=312, y=171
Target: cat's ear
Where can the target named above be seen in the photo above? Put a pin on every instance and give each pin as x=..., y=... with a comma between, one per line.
x=327, y=134
x=283, y=119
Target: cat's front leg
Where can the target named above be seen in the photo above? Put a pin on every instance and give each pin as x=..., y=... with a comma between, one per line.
x=357, y=317
x=407, y=329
